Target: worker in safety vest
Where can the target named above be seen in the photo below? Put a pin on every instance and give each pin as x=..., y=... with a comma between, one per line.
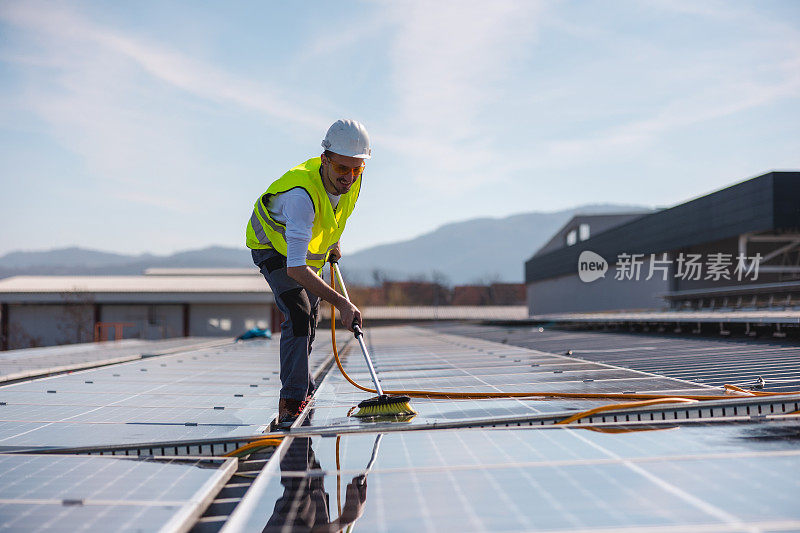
x=295, y=227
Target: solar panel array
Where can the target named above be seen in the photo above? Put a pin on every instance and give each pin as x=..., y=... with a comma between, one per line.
x=32, y=362
x=445, y=469
x=698, y=478
x=223, y=391
x=711, y=361
x=411, y=358
x=72, y=493
x=672, y=477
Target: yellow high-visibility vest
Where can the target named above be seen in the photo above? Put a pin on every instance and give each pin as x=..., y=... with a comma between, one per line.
x=264, y=232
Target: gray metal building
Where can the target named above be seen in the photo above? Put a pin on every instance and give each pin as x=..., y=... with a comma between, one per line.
x=162, y=303
x=736, y=248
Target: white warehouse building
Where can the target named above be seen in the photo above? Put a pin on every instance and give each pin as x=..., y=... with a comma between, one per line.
x=162, y=303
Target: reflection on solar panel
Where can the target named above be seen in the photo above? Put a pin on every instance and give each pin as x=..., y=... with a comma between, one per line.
x=465, y=465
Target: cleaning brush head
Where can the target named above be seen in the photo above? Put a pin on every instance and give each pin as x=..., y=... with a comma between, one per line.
x=385, y=405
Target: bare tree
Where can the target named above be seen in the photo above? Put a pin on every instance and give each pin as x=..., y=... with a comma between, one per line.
x=379, y=276
x=78, y=323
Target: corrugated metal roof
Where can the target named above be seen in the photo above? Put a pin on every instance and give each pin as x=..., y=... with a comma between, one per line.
x=752, y=316
x=134, y=284
x=202, y=272
x=442, y=312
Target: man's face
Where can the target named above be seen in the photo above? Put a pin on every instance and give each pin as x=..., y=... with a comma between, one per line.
x=341, y=172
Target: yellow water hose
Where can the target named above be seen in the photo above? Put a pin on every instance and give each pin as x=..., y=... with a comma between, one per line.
x=647, y=399
x=629, y=405
x=269, y=442
x=573, y=395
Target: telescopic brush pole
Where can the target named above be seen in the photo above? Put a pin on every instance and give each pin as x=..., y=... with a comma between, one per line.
x=359, y=335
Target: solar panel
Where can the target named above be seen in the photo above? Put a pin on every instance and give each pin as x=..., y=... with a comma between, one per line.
x=219, y=392
x=671, y=475
x=29, y=362
x=71, y=493
x=471, y=365
x=543, y=479
x=710, y=361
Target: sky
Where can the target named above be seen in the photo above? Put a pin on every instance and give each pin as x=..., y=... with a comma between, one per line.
x=153, y=126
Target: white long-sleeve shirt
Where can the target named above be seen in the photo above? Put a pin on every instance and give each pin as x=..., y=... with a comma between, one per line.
x=295, y=210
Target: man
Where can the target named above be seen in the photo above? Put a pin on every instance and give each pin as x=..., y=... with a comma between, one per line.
x=304, y=504
x=295, y=227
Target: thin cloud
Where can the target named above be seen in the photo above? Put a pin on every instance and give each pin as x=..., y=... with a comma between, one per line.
x=722, y=102
x=177, y=69
x=449, y=61
x=103, y=95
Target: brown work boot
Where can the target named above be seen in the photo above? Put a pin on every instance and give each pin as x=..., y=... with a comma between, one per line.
x=288, y=411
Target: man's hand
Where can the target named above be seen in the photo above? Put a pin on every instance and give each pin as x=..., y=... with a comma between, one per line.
x=355, y=497
x=314, y=284
x=335, y=253
x=350, y=314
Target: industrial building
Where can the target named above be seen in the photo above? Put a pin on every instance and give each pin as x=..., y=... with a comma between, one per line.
x=161, y=304
x=736, y=249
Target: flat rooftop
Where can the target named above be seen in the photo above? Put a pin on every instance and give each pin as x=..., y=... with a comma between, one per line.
x=182, y=441
x=194, y=287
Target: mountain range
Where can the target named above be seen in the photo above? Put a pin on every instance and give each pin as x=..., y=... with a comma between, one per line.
x=480, y=250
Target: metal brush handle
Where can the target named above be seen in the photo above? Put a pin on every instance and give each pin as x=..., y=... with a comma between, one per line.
x=359, y=334
x=340, y=280
x=360, y=339
x=375, y=447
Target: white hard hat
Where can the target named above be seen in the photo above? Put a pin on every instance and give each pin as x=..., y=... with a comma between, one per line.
x=349, y=138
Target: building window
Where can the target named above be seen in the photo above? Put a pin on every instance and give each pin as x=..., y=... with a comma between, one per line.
x=572, y=237
x=223, y=324
x=583, y=232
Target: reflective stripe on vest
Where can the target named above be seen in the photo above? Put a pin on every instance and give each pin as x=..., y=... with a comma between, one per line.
x=316, y=257
x=262, y=238
x=277, y=227
x=265, y=232
x=261, y=235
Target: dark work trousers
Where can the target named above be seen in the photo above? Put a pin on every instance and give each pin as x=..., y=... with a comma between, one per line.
x=300, y=310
